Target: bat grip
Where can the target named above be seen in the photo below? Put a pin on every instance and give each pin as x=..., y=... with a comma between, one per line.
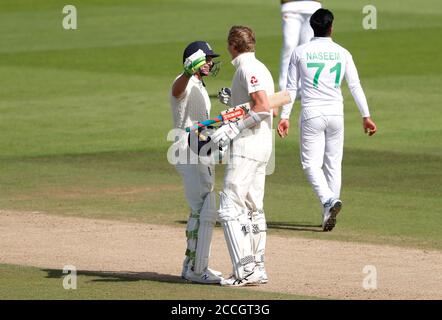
x=203, y=124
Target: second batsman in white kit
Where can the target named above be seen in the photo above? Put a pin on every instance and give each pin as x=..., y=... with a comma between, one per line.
x=241, y=201
x=321, y=65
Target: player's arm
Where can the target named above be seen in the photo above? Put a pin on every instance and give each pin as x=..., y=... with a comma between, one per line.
x=191, y=66
x=292, y=87
x=260, y=101
x=179, y=86
x=354, y=84
x=259, y=111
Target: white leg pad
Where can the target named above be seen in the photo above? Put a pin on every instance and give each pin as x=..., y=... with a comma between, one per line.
x=192, y=236
x=205, y=231
x=237, y=229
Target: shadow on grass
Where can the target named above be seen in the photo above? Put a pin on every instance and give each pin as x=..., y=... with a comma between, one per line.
x=118, y=276
x=295, y=226
x=292, y=226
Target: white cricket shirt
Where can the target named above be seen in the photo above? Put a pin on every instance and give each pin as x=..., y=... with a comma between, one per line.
x=251, y=76
x=192, y=106
x=321, y=64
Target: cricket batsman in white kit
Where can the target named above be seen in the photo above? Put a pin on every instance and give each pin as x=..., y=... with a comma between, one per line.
x=190, y=103
x=321, y=66
x=241, y=209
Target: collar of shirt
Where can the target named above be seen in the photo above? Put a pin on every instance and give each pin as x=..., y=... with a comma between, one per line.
x=321, y=39
x=243, y=57
x=197, y=81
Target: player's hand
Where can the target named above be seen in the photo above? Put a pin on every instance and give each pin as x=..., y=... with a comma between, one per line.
x=369, y=126
x=225, y=134
x=275, y=112
x=224, y=96
x=193, y=63
x=283, y=127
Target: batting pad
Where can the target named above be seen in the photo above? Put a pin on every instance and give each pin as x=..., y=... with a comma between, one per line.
x=205, y=231
x=239, y=247
x=192, y=235
x=236, y=226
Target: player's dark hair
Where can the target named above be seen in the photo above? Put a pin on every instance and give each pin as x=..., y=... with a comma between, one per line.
x=321, y=22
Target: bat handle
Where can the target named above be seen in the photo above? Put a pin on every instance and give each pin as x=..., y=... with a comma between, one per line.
x=196, y=126
x=203, y=124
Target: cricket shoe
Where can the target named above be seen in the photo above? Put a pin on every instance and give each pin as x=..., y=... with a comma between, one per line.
x=263, y=278
x=216, y=273
x=331, y=210
x=207, y=277
x=252, y=278
x=186, y=267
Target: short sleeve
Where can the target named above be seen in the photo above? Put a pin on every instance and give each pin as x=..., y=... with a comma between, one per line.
x=254, y=80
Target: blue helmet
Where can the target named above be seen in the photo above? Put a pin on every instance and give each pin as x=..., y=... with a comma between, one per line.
x=197, y=45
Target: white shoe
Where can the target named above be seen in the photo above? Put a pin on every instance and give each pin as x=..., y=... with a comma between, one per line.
x=216, y=273
x=232, y=281
x=207, y=277
x=331, y=210
x=251, y=279
x=186, y=267
x=263, y=278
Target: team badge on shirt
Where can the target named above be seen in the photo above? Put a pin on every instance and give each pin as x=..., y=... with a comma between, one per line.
x=253, y=81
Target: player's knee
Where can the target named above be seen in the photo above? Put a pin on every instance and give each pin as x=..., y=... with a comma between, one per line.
x=208, y=211
x=259, y=221
x=227, y=209
x=311, y=168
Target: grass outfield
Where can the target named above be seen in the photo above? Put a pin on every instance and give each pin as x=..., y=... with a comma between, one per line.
x=18, y=282
x=85, y=114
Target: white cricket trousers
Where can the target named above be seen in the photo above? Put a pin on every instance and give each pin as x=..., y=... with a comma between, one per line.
x=244, y=183
x=199, y=181
x=296, y=30
x=322, y=141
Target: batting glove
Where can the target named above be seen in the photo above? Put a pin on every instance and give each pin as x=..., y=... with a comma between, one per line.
x=225, y=134
x=224, y=96
x=193, y=63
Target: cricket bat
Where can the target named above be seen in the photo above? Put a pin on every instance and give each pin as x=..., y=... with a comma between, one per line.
x=238, y=112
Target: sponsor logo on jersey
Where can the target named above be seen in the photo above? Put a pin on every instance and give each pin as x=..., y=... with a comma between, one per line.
x=253, y=81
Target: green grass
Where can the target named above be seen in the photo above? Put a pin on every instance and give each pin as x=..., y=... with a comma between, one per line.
x=84, y=114
x=19, y=282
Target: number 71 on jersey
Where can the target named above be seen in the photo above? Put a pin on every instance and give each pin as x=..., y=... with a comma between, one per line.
x=320, y=66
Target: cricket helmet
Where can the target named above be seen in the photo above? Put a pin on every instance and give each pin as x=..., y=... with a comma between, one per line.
x=197, y=45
